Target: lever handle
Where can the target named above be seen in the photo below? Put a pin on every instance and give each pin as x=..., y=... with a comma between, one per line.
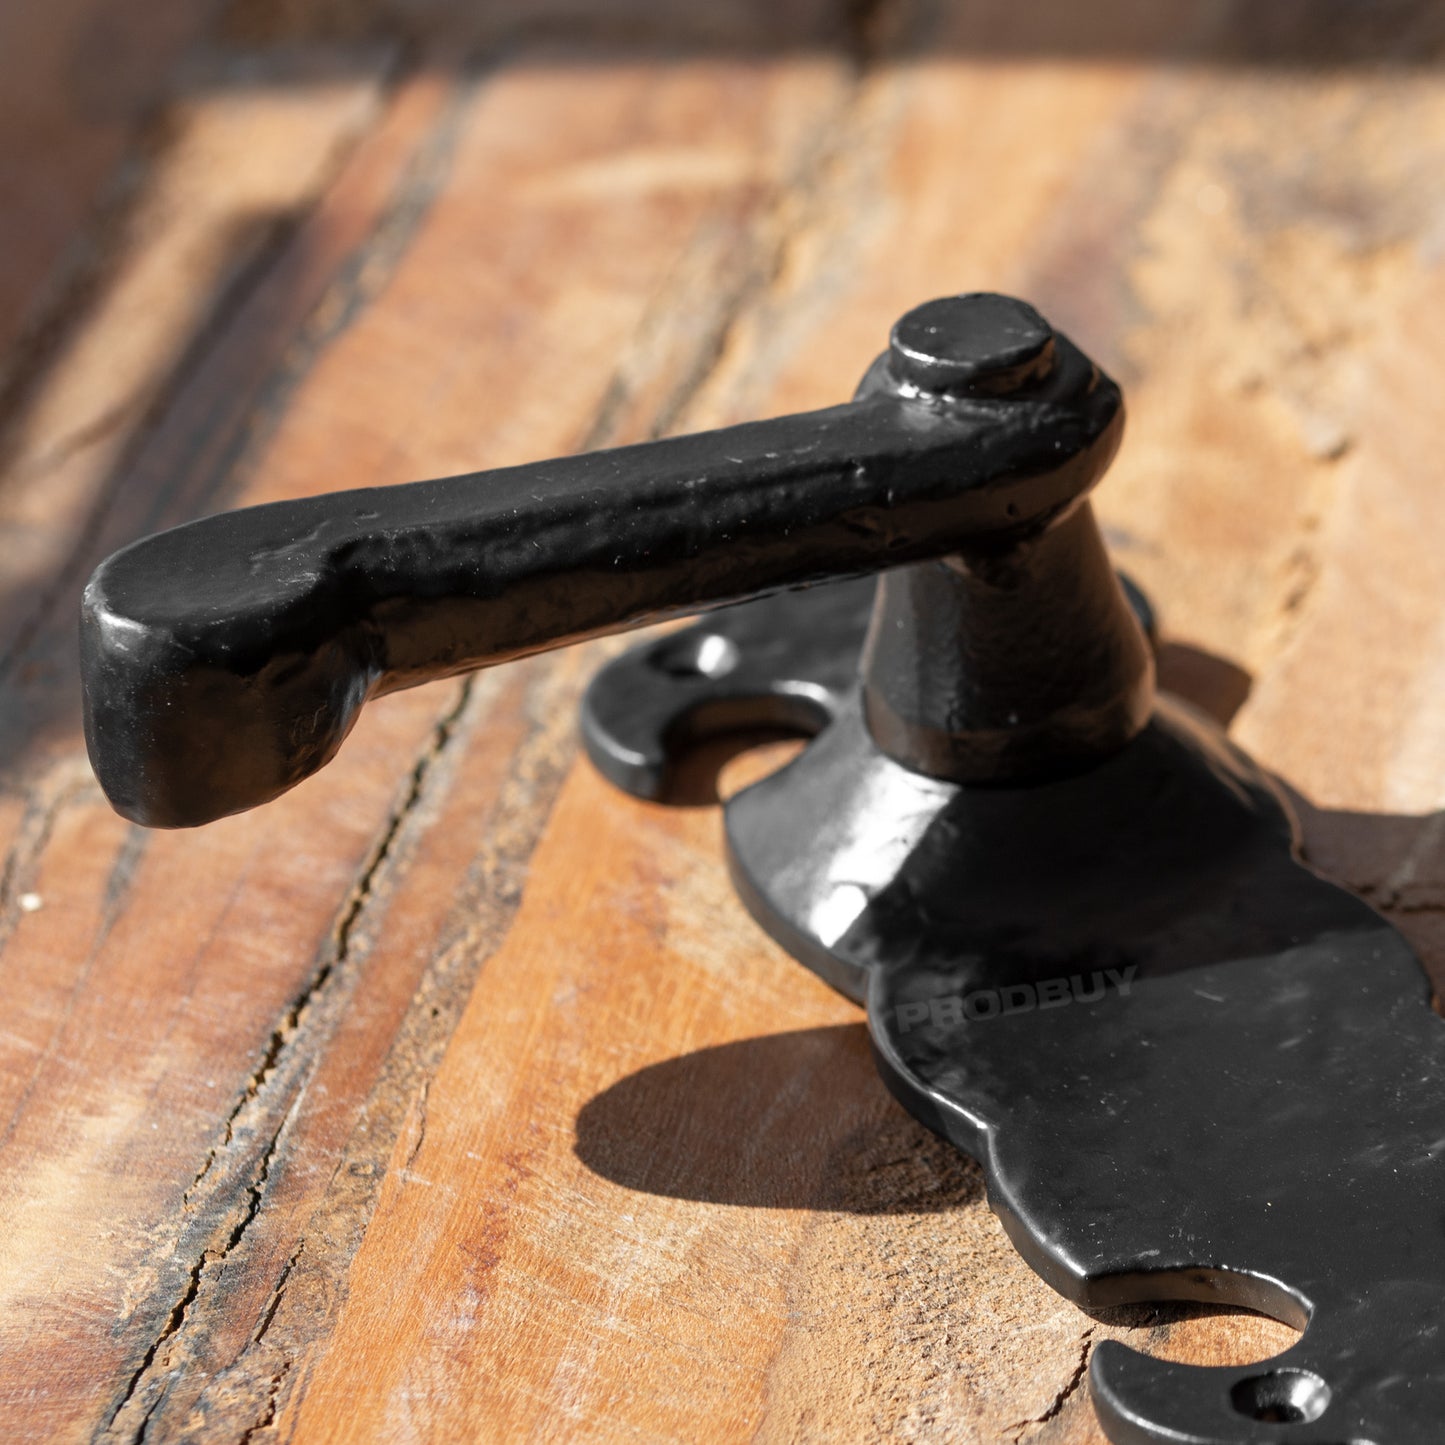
x=225, y=660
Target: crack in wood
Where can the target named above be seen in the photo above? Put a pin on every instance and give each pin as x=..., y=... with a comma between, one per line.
x=279, y=1293
x=211, y=1259
x=268, y=1415
x=284, y=1041
x=340, y=1218
x=1065, y=1394
x=291, y=1021
x=420, y=1116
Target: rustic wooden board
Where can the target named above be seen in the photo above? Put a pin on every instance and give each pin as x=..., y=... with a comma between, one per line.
x=454, y=1095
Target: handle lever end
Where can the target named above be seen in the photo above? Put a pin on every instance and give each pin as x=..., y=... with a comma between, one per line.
x=179, y=735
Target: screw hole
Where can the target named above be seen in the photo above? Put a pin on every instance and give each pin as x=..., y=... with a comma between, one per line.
x=695, y=655
x=1281, y=1397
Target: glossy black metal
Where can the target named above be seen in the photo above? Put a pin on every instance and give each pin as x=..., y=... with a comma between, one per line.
x=226, y=660
x=1010, y=665
x=1191, y=1068
x=985, y=345
x=790, y=661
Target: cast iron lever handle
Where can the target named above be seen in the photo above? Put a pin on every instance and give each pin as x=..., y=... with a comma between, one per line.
x=1185, y=1061
x=226, y=660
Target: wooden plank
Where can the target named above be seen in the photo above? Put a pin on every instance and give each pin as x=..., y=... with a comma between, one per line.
x=1353, y=712
x=236, y=985
x=242, y=162
x=436, y=1239
x=318, y=1124
x=78, y=85
x=150, y=470
x=455, y=1320
x=82, y=1153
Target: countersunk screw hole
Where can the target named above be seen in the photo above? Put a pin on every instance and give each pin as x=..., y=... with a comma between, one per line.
x=695, y=655
x=1281, y=1397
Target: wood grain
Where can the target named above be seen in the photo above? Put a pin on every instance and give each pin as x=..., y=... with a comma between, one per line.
x=454, y=1095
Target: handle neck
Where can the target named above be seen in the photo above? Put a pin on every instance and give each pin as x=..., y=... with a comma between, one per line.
x=1009, y=666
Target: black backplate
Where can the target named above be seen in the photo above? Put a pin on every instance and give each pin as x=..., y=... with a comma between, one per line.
x=1191, y=1068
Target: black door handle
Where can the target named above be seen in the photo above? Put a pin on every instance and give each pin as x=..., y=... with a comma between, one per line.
x=225, y=660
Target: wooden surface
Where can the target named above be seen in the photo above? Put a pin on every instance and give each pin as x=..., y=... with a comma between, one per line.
x=453, y=1096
